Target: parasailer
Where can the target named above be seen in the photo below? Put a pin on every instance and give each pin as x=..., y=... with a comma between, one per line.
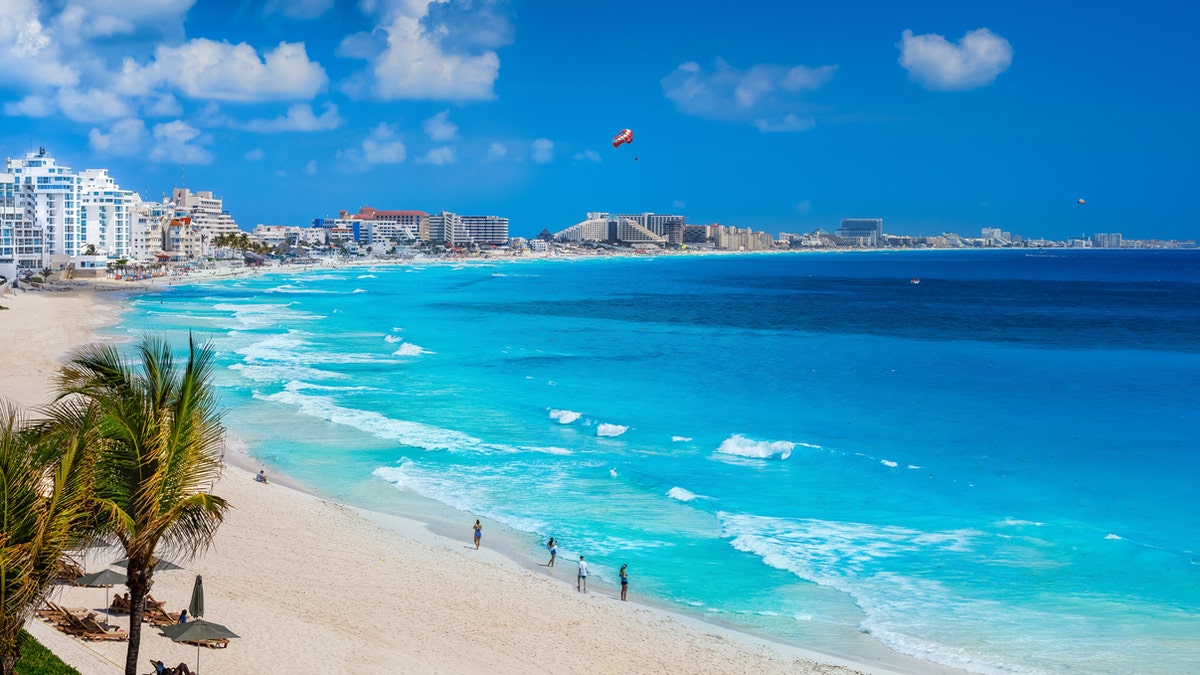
x=624, y=136
x=1082, y=202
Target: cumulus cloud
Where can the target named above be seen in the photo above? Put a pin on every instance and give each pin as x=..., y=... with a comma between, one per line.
x=299, y=117
x=179, y=143
x=935, y=63
x=206, y=69
x=83, y=19
x=438, y=156
x=497, y=150
x=164, y=106
x=587, y=156
x=767, y=96
x=92, y=105
x=310, y=169
x=29, y=56
x=543, y=151
x=300, y=10
x=380, y=147
x=429, y=49
x=440, y=128
x=126, y=138
x=31, y=106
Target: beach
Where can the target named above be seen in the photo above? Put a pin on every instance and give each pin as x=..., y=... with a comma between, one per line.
x=314, y=586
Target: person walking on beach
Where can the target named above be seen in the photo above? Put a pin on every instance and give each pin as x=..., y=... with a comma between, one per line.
x=553, y=546
x=478, y=533
x=581, y=582
x=624, y=581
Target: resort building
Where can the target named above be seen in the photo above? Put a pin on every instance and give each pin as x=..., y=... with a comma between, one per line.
x=861, y=231
x=448, y=228
x=106, y=212
x=206, y=214
x=490, y=230
x=146, y=229
x=49, y=196
x=601, y=227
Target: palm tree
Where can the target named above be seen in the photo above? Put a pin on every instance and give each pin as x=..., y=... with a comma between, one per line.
x=159, y=453
x=45, y=485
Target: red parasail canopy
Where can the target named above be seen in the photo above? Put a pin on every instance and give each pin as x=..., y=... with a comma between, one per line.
x=625, y=136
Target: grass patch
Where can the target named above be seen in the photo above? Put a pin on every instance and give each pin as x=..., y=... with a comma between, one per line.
x=37, y=660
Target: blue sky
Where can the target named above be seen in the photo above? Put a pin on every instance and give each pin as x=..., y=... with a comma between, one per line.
x=781, y=116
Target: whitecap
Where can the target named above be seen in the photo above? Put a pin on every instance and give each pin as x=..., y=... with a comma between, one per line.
x=610, y=430
x=359, y=290
x=365, y=276
x=1112, y=536
x=888, y=462
x=681, y=439
x=564, y=416
x=410, y=349
x=741, y=446
x=612, y=472
x=681, y=494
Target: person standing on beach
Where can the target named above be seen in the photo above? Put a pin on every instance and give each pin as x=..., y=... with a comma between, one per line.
x=553, y=546
x=478, y=533
x=581, y=582
x=624, y=581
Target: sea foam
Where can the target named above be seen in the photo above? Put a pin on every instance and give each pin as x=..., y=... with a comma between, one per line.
x=610, y=430
x=741, y=446
x=564, y=416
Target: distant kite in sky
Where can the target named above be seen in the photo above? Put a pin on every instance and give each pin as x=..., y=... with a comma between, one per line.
x=625, y=136
x=1082, y=202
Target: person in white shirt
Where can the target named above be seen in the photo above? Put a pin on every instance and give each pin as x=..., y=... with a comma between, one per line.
x=581, y=583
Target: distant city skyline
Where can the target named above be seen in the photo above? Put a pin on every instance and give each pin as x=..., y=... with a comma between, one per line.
x=939, y=117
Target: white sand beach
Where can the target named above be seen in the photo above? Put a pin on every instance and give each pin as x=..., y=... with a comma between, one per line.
x=311, y=586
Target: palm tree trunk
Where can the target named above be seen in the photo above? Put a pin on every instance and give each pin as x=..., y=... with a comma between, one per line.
x=139, y=588
x=10, y=648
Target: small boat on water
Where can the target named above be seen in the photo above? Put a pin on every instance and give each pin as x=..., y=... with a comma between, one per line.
x=914, y=280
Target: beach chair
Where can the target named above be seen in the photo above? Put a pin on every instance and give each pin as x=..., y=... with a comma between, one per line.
x=94, y=630
x=215, y=643
x=119, y=605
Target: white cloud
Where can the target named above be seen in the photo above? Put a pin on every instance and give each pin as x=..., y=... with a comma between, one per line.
x=205, y=69
x=301, y=10
x=587, y=156
x=767, y=96
x=440, y=128
x=299, y=117
x=31, y=106
x=430, y=49
x=125, y=139
x=173, y=143
x=380, y=147
x=92, y=105
x=803, y=207
x=84, y=19
x=439, y=156
x=935, y=63
x=679, y=204
x=497, y=150
x=311, y=168
x=165, y=106
x=543, y=151
x=28, y=55
x=254, y=155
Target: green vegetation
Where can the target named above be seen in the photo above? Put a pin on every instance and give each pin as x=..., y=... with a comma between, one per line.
x=37, y=660
x=128, y=451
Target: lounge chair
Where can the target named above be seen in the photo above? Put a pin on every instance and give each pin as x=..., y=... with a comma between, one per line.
x=119, y=605
x=94, y=630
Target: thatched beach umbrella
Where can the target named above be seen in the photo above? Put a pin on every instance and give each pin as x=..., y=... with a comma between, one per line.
x=197, y=631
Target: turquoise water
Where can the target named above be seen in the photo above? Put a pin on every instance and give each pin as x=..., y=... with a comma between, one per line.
x=994, y=469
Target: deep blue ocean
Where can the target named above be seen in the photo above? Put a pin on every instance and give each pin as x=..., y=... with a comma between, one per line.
x=994, y=469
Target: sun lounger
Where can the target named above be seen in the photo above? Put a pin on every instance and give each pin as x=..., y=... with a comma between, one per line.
x=94, y=630
x=215, y=643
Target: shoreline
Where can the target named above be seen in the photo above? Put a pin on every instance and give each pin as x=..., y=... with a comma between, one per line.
x=669, y=634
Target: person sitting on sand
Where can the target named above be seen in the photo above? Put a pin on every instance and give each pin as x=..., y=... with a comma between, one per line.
x=183, y=616
x=261, y=477
x=553, y=546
